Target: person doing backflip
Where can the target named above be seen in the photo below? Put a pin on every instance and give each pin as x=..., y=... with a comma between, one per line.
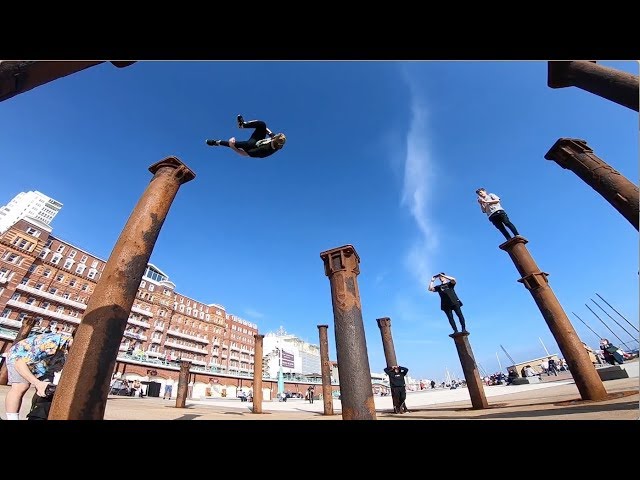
x=258, y=145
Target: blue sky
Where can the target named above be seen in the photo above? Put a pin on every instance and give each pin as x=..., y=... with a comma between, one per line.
x=382, y=155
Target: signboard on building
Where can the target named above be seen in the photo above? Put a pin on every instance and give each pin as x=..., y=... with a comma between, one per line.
x=287, y=359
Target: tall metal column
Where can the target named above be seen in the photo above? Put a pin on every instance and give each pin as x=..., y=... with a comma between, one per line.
x=325, y=366
x=575, y=155
x=25, y=329
x=84, y=383
x=389, y=350
x=615, y=85
x=257, y=374
x=183, y=384
x=583, y=372
x=470, y=370
x=341, y=265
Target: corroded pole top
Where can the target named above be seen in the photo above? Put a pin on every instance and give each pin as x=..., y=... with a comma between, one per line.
x=333, y=259
x=566, y=147
x=184, y=174
x=323, y=326
x=383, y=322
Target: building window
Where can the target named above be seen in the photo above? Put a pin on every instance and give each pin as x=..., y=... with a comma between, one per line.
x=44, y=305
x=56, y=258
x=32, y=268
x=72, y=254
x=66, y=295
x=53, y=290
x=30, y=301
x=5, y=313
x=68, y=264
x=47, y=273
x=94, y=264
x=80, y=269
x=151, y=287
x=15, y=296
x=44, y=253
x=143, y=284
x=60, y=249
x=33, y=231
x=72, y=282
x=83, y=259
x=39, y=286
x=60, y=277
x=11, y=257
x=24, y=281
x=60, y=309
x=21, y=317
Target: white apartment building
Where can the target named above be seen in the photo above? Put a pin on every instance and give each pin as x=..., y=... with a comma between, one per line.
x=295, y=355
x=34, y=205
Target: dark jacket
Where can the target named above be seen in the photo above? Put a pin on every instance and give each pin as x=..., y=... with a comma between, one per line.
x=396, y=379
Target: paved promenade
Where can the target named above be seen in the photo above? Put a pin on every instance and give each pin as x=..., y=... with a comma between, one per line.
x=549, y=400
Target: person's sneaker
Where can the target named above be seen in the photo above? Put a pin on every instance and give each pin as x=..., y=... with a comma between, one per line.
x=213, y=143
x=240, y=121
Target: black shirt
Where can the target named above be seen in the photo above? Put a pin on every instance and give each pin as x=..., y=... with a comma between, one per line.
x=396, y=379
x=254, y=150
x=448, y=297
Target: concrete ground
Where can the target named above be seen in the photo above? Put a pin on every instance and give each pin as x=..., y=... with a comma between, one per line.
x=553, y=399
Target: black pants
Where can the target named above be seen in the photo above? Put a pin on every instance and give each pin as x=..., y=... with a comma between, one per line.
x=259, y=133
x=449, y=313
x=500, y=219
x=398, y=396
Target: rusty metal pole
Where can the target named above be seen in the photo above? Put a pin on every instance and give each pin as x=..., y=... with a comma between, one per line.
x=389, y=351
x=325, y=367
x=356, y=392
x=257, y=374
x=577, y=156
x=583, y=372
x=84, y=384
x=615, y=85
x=183, y=384
x=470, y=370
x=25, y=329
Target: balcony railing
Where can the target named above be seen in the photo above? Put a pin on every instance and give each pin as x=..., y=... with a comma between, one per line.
x=42, y=311
x=137, y=336
x=187, y=336
x=141, y=311
x=140, y=323
x=156, y=340
x=185, y=347
x=3, y=279
x=11, y=323
x=51, y=296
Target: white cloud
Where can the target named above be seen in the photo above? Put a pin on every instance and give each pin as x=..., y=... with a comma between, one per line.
x=416, y=191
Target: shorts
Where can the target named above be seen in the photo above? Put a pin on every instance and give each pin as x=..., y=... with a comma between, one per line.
x=14, y=376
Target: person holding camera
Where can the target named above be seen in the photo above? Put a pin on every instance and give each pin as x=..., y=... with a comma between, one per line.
x=33, y=361
x=490, y=204
x=449, y=301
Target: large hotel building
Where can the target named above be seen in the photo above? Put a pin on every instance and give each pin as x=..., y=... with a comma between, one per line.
x=51, y=280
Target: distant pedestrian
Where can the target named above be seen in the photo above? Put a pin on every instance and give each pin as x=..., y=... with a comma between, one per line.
x=553, y=368
x=612, y=354
x=490, y=204
x=168, y=389
x=310, y=393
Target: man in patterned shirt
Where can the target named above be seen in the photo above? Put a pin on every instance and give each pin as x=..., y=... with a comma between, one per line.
x=33, y=361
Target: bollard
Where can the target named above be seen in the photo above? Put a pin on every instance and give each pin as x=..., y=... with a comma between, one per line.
x=183, y=384
x=575, y=155
x=583, y=372
x=341, y=266
x=257, y=374
x=84, y=384
x=325, y=366
x=470, y=370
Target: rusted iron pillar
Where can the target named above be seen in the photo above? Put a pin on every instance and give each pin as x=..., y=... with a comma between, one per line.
x=257, y=374
x=389, y=351
x=583, y=372
x=325, y=367
x=341, y=265
x=25, y=329
x=615, y=85
x=577, y=156
x=84, y=383
x=183, y=384
x=470, y=370
x=17, y=77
